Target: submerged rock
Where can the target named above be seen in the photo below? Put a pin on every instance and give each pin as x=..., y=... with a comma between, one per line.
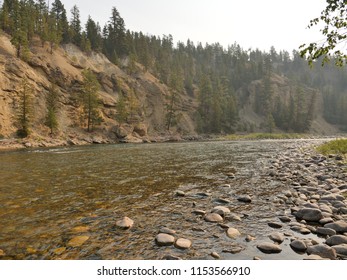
x=213, y=218
x=183, y=243
x=125, y=223
x=77, y=241
x=163, y=239
x=233, y=233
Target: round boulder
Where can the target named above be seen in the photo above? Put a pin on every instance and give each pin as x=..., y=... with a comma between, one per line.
x=309, y=214
x=213, y=218
x=336, y=240
x=339, y=226
x=233, y=233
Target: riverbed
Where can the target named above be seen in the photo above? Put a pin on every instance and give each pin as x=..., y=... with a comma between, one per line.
x=48, y=197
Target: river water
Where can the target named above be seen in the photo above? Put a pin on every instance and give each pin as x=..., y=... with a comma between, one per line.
x=49, y=196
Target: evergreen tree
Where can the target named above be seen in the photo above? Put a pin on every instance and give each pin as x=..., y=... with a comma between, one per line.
x=75, y=26
x=90, y=100
x=52, y=108
x=24, y=108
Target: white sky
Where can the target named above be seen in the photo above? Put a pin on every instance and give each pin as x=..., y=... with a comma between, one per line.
x=251, y=23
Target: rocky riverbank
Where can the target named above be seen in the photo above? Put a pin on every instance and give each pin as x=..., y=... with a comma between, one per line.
x=310, y=207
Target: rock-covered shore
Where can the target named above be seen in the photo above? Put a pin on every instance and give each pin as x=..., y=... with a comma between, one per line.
x=311, y=209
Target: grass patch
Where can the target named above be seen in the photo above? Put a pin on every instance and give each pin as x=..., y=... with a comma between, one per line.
x=338, y=146
x=260, y=136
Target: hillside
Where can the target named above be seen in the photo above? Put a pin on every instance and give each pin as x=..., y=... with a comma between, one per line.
x=63, y=68
x=149, y=96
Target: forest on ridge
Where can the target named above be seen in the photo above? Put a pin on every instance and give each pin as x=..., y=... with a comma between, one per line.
x=216, y=76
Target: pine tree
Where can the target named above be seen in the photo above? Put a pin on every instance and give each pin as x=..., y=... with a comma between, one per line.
x=75, y=26
x=24, y=108
x=52, y=108
x=90, y=100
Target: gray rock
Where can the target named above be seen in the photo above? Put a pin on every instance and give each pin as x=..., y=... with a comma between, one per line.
x=323, y=251
x=164, y=239
x=167, y=231
x=183, y=243
x=199, y=212
x=233, y=233
x=213, y=218
x=309, y=214
x=298, y=245
x=125, y=223
x=277, y=237
x=274, y=225
x=245, y=198
x=326, y=221
x=222, y=200
x=341, y=249
x=221, y=209
x=339, y=226
x=325, y=231
x=336, y=240
x=180, y=193
x=269, y=248
x=284, y=219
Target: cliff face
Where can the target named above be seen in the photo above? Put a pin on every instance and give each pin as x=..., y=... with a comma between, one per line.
x=63, y=67
x=149, y=98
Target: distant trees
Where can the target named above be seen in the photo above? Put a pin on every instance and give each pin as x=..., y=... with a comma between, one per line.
x=52, y=108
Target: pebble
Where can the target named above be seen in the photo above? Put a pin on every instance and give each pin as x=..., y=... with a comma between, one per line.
x=167, y=231
x=298, y=245
x=125, y=223
x=183, y=243
x=285, y=219
x=222, y=200
x=326, y=221
x=199, y=212
x=171, y=258
x=221, y=209
x=244, y=198
x=277, y=237
x=269, y=248
x=213, y=218
x=233, y=233
x=180, y=193
x=250, y=238
x=322, y=250
x=215, y=255
x=163, y=239
x=274, y=225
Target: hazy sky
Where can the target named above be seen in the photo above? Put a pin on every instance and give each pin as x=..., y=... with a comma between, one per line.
x=251, y=23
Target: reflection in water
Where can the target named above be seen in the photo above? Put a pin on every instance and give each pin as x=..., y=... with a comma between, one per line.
x=49, y=196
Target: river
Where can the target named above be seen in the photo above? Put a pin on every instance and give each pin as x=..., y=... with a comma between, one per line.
x=49, y=196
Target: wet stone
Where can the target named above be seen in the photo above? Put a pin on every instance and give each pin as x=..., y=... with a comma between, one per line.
x=167, y=231
x=298, y=245
x=222, y=201
x=277, y=237
x=125, y=223
x=180, y=193
x=244, y=198
x=213, y=218
x=171, y=258
x=199, y=212
x=183, y=243
x=233, y=233
x=250, y=238
x=269, y=248
x=284, y=219
x=274, y=225
x=221, y=210
x=163, y=239
x=234, y=249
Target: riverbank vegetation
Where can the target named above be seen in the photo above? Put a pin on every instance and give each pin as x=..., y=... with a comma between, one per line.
x=338, y=146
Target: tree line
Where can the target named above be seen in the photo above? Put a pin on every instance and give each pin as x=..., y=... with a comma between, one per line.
x=217, y=77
